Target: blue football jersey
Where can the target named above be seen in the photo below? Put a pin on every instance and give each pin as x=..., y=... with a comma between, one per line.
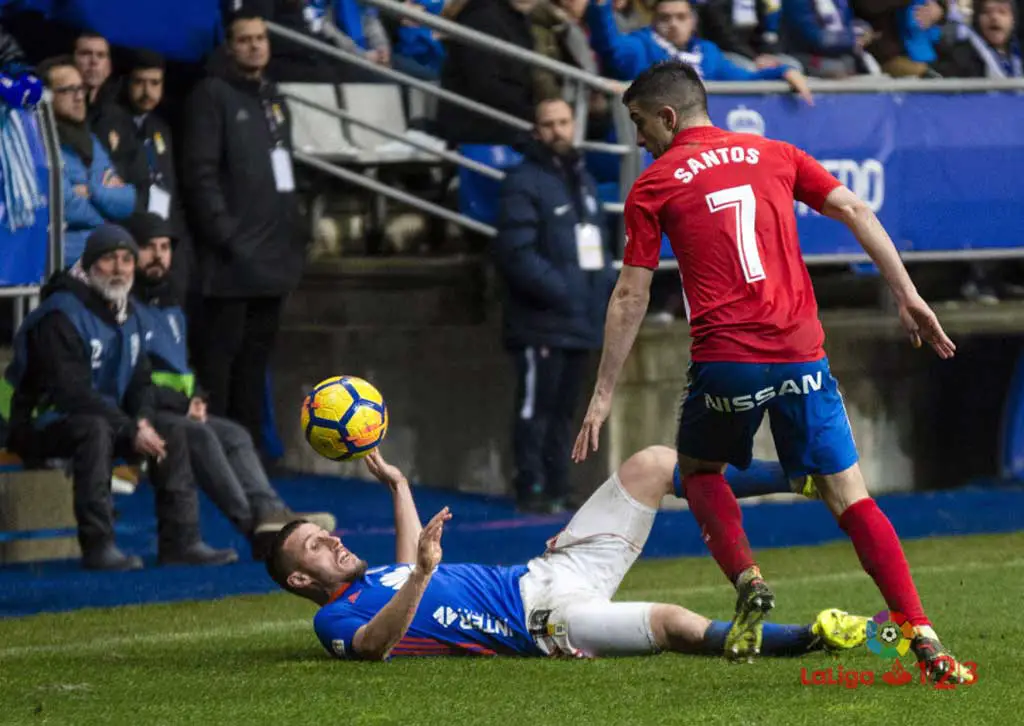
x=466, y=610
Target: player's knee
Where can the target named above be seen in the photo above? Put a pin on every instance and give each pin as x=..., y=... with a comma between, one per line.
x=677, y=629
x=647, y=474
x=842, y=490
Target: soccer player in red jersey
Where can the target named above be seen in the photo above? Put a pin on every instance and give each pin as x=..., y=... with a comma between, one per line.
x=725, y=200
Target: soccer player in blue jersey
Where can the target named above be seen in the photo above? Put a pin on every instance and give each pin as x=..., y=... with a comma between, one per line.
x=559, y=604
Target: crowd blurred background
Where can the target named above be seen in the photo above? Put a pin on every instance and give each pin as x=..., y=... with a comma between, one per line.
x=194, y=161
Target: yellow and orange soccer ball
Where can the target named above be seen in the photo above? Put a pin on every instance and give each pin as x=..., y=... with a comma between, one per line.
x=344, y=418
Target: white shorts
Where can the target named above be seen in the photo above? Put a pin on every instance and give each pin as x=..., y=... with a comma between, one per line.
x=568, y=590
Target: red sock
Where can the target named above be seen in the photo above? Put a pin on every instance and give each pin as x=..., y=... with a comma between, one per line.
x=882, y=557
x=716, y=510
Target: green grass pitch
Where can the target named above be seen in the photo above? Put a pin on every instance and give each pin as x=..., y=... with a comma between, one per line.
x=255, y=660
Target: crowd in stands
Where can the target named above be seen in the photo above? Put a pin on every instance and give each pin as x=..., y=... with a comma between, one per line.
x=179, y=252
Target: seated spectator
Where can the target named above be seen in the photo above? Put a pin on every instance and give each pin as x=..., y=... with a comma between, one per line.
x=93, y=191
x=142, y=95
x=672, y=35
x=824, y=37
x=418, y=49
x=223, y=457
x=82, y=390
x=746, y=31
x=498, y=81
x=988, y=49
x=904, y=34
x=558, y=35
x=107, y=119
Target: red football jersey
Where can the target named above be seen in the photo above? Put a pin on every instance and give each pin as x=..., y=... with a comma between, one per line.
x=725, y=201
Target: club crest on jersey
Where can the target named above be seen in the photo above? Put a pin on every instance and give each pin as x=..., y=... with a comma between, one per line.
x=745, y=120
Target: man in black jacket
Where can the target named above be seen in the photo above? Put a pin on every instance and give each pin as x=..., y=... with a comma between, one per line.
x=142, y=94
x=498, y=81
x=225, y=463
x=555, y=259
x=238, y=180
x=80, y=389
x=111, y=123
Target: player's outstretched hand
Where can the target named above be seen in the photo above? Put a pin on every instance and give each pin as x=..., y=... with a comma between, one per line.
x=382, y=471
x=590, y=433
x=428, y=552
x=921, y=323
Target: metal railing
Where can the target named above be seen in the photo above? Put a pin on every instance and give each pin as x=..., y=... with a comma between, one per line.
x=578, y=81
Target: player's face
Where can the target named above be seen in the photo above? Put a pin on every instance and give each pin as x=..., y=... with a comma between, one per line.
x=319, y=557
x=996, y=22
x=155, y=258
x=654, y=131
x=674, y=21
x=555, y=126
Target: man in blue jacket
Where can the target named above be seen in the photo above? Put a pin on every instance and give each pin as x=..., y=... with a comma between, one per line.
x=78, y=388
x=93, y=192
x=223, y=457
x=554, y=256
x=672, y=34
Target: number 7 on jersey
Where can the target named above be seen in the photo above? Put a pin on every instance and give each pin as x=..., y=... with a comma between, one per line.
x=743, y=203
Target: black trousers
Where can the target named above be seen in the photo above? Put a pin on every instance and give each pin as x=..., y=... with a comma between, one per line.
x=547, y=391
x=90, y=444
x=235, y=338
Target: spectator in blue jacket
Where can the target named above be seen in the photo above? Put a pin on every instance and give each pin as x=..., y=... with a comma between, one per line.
x=93, y=192
x=554, y=256
x=823, y=36
x=672, y=34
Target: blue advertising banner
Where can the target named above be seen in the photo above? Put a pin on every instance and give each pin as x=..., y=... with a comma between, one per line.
x=24, y=249
x=942, y=171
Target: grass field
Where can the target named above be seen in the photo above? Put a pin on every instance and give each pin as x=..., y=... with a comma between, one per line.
x=254, y=660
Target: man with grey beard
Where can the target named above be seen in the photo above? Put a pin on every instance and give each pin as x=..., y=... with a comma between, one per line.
x=79, y=388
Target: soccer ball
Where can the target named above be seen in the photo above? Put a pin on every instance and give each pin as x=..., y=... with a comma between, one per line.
x=344, y=418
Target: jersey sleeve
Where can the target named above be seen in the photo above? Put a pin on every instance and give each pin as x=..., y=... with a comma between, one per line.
x=813, y=182
x=337, y=630
x=643, y=230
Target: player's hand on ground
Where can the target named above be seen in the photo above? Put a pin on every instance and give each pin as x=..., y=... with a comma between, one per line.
x=921, y=323
x=798, y=82
x=428, y=552
x=148, y=442
x=590, y=433
x=382, y=471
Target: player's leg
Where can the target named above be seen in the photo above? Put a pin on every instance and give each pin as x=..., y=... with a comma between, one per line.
x=813, y=436
x=720, y=415
x=606, y=535
x=597, y=628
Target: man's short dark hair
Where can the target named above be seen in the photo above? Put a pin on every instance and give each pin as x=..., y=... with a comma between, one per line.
x=239, y=17
x=277, y=568
x=670, y=83
x=90, y=35
x=147, y=60
x=44, y=69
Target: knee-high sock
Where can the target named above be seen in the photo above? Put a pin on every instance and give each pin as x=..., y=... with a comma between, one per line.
x=882, y=557
x=776, y=639
x=716, y=510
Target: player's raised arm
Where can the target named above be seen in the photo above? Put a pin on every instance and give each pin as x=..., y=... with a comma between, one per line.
x=375, y=640
x=916, y=316
x=407, y=519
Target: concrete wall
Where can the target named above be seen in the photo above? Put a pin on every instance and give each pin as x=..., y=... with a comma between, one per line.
x=919, y=422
